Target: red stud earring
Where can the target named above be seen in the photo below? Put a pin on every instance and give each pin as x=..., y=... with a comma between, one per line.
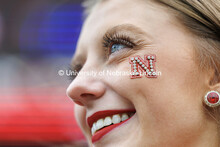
x=212, y=99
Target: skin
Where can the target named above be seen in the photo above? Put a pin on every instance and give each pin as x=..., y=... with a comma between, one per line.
x=169, y=108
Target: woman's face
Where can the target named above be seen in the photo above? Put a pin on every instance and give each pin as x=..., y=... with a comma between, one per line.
x=168, y=109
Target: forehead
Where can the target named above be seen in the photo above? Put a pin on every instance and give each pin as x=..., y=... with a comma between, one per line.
x=114, y=12
x=126, y=10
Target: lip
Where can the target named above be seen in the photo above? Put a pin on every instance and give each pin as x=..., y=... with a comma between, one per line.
x=102, y=114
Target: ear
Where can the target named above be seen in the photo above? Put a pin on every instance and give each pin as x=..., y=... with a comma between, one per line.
x=215, y=81
x=216, y=87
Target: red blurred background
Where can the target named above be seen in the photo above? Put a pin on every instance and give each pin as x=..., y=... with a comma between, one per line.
x=37, y=39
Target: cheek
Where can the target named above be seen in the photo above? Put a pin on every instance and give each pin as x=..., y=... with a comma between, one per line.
x=171, y=102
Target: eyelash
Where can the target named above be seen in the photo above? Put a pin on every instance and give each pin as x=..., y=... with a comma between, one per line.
x=111, y=39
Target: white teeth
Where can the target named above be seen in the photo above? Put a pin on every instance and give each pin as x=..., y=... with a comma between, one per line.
x=93, y=128
x=107, y=121
x=116, y=119
x=99, y=124
x=124, y=117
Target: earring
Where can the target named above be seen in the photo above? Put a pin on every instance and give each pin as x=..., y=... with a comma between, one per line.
x=212, y=99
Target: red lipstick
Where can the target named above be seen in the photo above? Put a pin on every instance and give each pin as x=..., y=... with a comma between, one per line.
x=102, y=114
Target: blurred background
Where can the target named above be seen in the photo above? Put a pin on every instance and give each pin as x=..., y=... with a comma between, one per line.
x=37, y=39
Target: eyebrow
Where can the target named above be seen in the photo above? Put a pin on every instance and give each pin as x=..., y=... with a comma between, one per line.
x=130, y=28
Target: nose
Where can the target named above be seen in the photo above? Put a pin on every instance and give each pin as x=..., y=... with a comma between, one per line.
x=85, y=89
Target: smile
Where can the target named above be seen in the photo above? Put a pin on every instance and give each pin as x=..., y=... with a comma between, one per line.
x=102, y=122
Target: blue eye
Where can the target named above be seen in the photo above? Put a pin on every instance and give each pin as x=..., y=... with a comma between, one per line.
x=117, y=47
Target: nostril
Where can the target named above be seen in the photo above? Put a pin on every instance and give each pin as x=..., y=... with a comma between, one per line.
x=84, y=95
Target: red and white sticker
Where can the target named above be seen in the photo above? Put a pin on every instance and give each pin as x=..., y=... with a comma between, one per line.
x=144, y=66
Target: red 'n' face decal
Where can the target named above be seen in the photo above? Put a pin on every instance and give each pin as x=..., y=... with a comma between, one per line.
x=144, y=66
